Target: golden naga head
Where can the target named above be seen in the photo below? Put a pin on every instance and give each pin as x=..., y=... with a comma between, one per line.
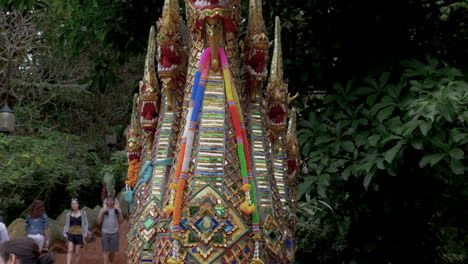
x=256, y=57
x=198, y=10
x=170, y=56
x=292, y=146
x=277, y=110
x=149, y=89
x=277, y=89
x=133, y=144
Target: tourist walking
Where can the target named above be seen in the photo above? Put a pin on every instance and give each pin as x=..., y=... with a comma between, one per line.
x=76, y=230
x=110, y=217
x=23, y=250
x=37, y=225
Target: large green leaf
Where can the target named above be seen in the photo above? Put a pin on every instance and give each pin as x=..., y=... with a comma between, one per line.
x=303, y=137
x=417, y=143
x=425, y=126
x=306, y=123
x=457, y=153
x=373, y=140
x=364, y=91
x=389, y=139
x=457, y=166
x=389, y=155
x=409, y=127
x=323, y=182
x=431, y=159
x=322, y=139
x=368, y=178
x=374, y=109
x=307, y=148
x=346, y=173
x=380, y=164
x=371, y=99
x=385, y=113
x=460, y=137
x=361, y=139
x=305, y=186
x=384, y=79
x=348, y=146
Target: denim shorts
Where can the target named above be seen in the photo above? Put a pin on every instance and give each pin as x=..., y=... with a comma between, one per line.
x=110, y=242
x=75, y=239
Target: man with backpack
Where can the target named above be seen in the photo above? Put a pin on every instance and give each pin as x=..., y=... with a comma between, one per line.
x=110, y=217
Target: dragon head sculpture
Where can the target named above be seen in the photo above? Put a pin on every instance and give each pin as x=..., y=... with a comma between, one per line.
x=199, y=10
x=257, y=43
x=133, y=144
x=292, y=147
x=149, y=89
x=277, y=90
x=257, y=59
x=171, y=51
x=255, y=49
x=169, y=41
x=277, y=107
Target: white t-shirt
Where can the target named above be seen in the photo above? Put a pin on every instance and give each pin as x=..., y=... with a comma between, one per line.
x=110, y=223
x=3, y=233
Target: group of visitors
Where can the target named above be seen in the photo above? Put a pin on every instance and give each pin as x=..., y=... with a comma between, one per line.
x=33, y=248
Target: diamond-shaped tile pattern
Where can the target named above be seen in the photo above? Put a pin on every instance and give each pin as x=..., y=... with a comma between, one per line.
x=241, y=252
x=206, y=224
x=147, y=219
x=215, y=226
x=274, y=234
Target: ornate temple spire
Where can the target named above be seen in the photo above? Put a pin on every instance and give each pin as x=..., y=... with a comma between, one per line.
x=276, y=73
x=212, y=151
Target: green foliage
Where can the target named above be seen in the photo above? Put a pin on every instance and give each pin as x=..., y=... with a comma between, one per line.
x=110, y=31
x=363, y=131
x=48, y=166
x=388, y=127
x=18, y=4
x=117, y=169
x=341, y=40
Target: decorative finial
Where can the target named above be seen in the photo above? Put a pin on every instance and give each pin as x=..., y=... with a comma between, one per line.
x=150, y=72
x=277, y=61
x=172, y=5
x=255, y=7
x=135, y=123
x=292, y=123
